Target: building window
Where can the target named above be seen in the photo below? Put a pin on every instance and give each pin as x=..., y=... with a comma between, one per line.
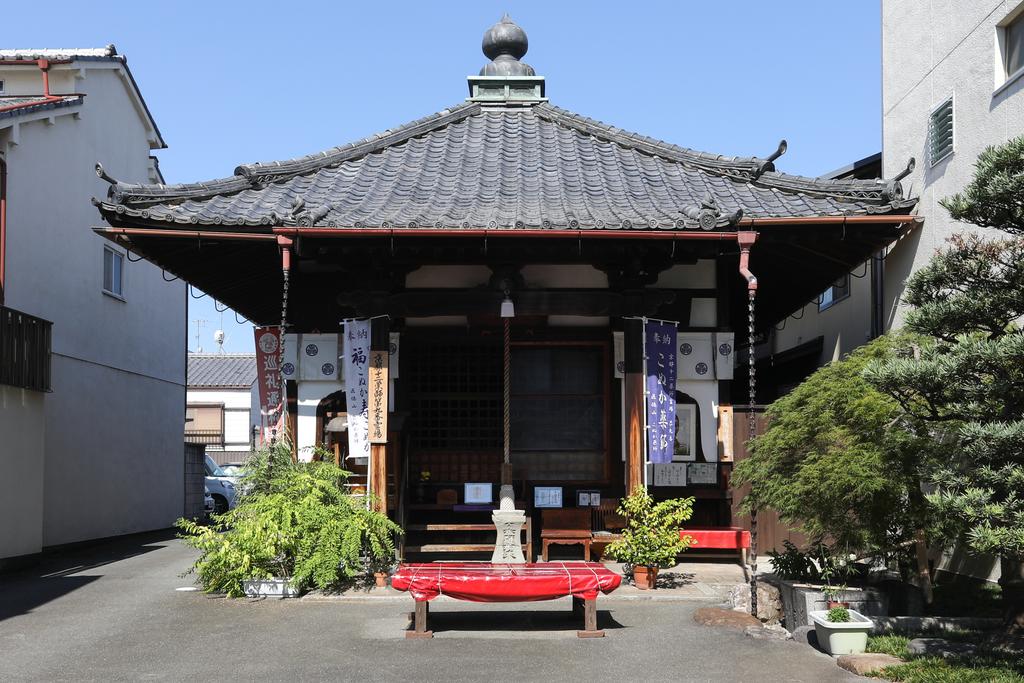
x=1011, y=39
x=940, y=132
x=113, y=272
x=204, y=424
x=836, y=293
x=1, y=86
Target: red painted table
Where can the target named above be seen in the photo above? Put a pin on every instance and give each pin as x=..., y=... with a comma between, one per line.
x=486, y=582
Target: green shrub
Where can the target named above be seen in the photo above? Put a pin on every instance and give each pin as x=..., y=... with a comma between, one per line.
x=651, y=537
x=838, y=615
x=293, y=520
x=792, y=564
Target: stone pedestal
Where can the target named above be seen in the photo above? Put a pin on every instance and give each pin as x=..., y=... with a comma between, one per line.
x=509, y=522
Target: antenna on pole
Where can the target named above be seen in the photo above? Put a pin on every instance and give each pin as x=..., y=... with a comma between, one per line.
x=199, y=326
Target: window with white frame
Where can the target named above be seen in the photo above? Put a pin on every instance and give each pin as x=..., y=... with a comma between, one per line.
x=940, y=132
x=1011, y=44
x=836, y=293
x=113, y=272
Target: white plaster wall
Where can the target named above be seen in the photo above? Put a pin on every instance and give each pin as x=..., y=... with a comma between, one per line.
x=705, y=392
x=22, y=456
x=845, y=325
x=690, y=275
x=114, y=457
x=310, y=393
x=953, y=52
x=237, y=413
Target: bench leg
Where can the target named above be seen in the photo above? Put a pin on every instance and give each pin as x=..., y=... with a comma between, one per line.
x=544, y=551
x=420, y=621
x=743, y=557
x=586, y=551
x=590, y=621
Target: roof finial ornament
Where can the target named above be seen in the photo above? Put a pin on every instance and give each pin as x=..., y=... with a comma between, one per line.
x=504, y=44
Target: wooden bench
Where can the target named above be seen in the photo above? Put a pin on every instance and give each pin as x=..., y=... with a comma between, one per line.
x=567, y=526
x=486, y=582
x=465, y=547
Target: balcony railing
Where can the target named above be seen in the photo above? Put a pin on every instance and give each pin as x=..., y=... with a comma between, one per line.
x=24, y=350
x=206, y=437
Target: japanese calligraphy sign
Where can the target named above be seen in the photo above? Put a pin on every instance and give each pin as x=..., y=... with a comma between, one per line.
x=268, y=375
x=660, y=360
x=356, y=357
x=378, y=403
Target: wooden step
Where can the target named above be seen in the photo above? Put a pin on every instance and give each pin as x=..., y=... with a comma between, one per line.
x=450, y=527
x=447, y=548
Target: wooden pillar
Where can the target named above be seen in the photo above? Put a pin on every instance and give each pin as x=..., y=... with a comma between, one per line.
x=633, y=357
x=379, y=343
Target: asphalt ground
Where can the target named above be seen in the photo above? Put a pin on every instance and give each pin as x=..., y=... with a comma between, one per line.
x=114, y=612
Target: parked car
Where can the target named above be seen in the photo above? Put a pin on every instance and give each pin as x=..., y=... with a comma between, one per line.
x=233, y=469
x=221, y=486
x=208, y=503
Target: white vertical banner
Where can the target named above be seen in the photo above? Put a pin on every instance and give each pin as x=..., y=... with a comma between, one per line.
x=725, y=347
x=318, y=356
x=356, y=358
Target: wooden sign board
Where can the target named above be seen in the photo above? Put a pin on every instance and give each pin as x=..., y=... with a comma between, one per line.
x=377, y=407
x=725, y=435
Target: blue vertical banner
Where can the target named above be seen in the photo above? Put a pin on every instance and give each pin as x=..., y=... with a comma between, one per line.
x=660, y=358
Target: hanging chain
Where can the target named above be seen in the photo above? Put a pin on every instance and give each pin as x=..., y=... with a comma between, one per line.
x=751, y=433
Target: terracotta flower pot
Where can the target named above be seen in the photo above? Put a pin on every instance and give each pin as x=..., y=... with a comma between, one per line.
x=380, y=579
x=837, y=603
x=646, y=578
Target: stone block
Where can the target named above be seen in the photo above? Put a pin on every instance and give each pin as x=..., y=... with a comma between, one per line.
x=866, y=663
x=769, y=601
x=940, y=647
x=726, y=618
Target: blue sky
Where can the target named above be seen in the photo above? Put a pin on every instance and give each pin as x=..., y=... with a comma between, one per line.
x=232, y=82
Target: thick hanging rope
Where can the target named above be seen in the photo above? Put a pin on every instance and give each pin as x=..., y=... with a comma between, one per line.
x=507, y=391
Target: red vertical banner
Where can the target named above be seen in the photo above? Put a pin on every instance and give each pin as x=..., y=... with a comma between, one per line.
x=270, y=383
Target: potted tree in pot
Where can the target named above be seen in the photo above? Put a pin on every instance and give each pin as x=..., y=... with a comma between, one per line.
x=296, y=526
x=651, y=539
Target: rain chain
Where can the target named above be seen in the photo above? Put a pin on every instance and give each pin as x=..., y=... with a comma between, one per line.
x=751, y=433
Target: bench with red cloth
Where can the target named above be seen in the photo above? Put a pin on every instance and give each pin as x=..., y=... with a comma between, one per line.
x=719, y=538
x=486, y=582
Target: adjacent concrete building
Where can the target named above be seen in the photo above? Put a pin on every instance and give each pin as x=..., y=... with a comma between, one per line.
x=100, y=454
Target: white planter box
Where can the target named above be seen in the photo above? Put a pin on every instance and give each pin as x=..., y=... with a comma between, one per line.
x=842, y=637
x=269, y=588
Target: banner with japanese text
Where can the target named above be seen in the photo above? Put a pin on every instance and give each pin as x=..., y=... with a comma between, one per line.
x=378, y=405
x=269, y=384
x=660, y=360
x=356, y=357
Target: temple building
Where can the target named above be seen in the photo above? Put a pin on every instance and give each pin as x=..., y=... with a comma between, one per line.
x=507, y=254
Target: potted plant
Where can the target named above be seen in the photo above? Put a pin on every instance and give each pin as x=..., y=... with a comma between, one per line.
x=381, y=568
x=841, y=631
x=295, y=526
x=651, y=539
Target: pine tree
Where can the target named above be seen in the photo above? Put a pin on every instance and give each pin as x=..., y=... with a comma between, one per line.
x=968, y=384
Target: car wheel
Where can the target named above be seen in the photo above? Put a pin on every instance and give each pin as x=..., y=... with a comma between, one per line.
x=220, y=505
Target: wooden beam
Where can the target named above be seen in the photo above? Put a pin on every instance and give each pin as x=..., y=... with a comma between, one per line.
x=634, y=384
x=379, y=342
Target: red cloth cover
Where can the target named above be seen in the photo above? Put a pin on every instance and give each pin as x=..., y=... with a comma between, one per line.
x=486, y=582
x=705, y=538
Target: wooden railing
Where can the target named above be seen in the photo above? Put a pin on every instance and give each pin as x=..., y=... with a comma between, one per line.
x=24, y=350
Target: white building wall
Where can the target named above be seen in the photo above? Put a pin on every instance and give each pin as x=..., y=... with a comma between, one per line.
x=22, y=421
x=113, y=452
x=953, y=52
x=238, y=419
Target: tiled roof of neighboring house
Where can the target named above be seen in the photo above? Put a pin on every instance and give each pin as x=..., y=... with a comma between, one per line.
x=502, y=167
x=19, y=105
x=221, y=370
x=59, y=52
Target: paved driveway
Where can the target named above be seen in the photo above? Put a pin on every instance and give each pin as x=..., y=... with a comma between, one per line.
x=113, y=612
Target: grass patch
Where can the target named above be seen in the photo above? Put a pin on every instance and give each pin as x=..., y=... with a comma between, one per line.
x=936, y=670
x=987, y=666
x=895, y=645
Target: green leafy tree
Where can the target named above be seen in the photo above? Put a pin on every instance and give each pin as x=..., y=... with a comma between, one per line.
x=838, y=460
x=968, y=385
x=293, y=520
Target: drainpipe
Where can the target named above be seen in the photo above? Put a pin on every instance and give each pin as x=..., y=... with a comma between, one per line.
x=3, y=228
x=44, y=66
x=877, y=291
x=746, y=240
